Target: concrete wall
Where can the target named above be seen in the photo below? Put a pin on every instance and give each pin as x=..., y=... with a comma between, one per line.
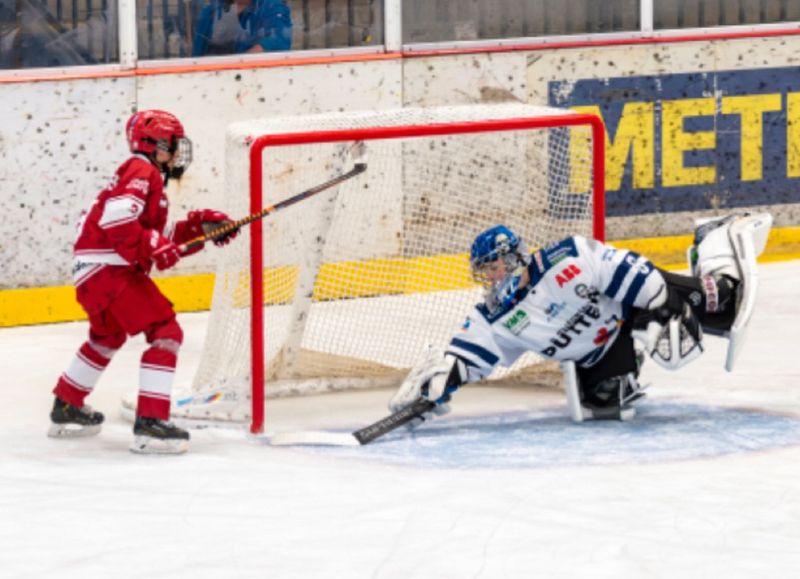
x=60, y=141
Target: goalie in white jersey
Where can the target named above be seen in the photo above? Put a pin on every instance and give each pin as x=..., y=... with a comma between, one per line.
x=582, y=302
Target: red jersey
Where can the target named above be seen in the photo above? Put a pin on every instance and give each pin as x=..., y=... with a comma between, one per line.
x=121, y=221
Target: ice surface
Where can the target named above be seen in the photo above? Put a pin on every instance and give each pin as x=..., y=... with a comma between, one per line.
x=705, y=482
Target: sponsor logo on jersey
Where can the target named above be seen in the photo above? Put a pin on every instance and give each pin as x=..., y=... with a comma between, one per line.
x=608, y=254
x=587, y=293
x=78, y=266
x=517, y=322
x=567, y=274
x=139, y=185
x=537, y=257
x=554, y=309
x=604, y=334
x=560, y=250
x=575, y=326
x=467, y=323
x=557, y=255
x=601, y=337
x=636, y=265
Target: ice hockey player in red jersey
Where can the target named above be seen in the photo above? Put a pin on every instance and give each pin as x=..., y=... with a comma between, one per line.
x=121, y=238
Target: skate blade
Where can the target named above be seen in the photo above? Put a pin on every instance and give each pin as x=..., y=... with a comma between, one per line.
x=150, y=445
x=72, y=430
x=621, y=414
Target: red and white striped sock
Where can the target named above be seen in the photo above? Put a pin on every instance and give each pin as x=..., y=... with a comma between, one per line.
x=156, y=373
x=82, y=375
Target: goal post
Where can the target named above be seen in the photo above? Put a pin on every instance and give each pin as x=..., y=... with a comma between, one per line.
x=342, y=290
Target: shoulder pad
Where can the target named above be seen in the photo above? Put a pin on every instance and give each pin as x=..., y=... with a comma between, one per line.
x=558, y=251
x=544, y=259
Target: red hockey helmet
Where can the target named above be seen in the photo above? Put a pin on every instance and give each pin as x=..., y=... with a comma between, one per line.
x=152, y=130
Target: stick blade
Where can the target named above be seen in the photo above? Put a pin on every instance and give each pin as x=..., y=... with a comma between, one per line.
x=314, y=438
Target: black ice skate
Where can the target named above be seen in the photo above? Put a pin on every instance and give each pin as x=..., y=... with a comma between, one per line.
x=69, y=421
x=154, y=436
x=613, y=398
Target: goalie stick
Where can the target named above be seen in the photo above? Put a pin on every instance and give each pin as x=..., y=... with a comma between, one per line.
x=229, y=226
x=359, y=437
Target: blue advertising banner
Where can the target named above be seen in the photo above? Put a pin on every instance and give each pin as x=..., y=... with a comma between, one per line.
x=689, y=142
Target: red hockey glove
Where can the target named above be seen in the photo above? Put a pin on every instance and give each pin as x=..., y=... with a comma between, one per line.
x=160, y=250
x=208, y=220
x=199, y=223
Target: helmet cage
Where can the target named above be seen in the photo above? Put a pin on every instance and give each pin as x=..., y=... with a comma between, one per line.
x=155, y=130
x=182, y=156
x=498, y=243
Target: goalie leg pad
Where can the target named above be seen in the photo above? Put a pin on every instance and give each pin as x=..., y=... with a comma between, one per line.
x=712, y=252
x=729, y=247
x=749, y=238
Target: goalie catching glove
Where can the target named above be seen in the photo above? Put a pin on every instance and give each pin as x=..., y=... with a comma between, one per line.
x=434, y=378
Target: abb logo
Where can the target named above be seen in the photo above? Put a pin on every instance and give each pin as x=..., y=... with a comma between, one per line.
x=567, y=274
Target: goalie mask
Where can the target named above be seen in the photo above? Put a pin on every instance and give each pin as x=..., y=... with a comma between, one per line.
x=153, y=130
x=497, y=260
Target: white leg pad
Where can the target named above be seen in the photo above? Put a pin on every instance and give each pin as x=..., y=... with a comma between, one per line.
x=577, y=412
x=748, y=237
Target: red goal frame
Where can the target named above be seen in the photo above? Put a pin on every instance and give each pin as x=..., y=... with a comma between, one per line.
x=394, y=132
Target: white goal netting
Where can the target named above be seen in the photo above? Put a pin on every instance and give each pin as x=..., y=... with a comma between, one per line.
x=359, y=278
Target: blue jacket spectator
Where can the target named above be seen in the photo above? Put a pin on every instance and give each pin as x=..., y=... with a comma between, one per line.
x=237, y=26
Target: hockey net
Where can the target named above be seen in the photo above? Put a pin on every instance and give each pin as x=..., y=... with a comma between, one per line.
x=353, y=282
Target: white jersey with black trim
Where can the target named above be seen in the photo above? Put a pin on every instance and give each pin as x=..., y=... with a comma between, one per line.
x=580, y=292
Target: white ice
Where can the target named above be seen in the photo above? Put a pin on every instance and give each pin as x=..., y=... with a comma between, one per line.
x=704, y=483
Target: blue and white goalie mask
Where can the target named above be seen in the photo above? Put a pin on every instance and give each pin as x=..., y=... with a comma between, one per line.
x=497, y=260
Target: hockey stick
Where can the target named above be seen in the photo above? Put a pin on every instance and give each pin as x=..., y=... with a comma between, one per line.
x=359, y=437
x=230, y=226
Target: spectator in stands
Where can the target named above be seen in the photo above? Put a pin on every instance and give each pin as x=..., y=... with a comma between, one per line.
x=237, y=26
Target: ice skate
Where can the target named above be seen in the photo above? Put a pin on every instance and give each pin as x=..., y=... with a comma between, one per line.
x=68, y=421
x=727, y=248
x=154, y=436
x=611, y=399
